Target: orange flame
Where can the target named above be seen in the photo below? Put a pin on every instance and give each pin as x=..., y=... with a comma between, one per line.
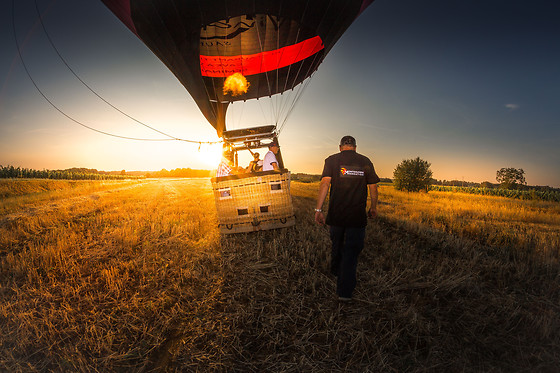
x=236, y=84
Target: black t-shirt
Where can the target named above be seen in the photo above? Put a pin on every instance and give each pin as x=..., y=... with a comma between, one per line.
x=350, y=175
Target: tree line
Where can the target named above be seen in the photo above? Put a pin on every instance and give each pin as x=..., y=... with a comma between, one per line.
x=551, y=194
x=11, y=172
x=179, y=172
x=414, y=175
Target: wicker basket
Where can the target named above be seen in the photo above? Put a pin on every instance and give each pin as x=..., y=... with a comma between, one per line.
x=253, y=201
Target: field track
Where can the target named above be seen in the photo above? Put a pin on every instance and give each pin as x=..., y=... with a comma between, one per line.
x=134, y=277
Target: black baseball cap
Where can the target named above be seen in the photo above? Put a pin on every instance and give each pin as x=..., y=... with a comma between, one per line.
x=348, y=140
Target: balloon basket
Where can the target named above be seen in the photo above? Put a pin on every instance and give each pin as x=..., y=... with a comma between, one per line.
x=253, y=201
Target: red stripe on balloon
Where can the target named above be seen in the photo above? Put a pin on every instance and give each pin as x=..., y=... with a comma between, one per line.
x=251, y=64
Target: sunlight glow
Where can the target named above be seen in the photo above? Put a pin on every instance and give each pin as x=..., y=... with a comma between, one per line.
x=210, y=154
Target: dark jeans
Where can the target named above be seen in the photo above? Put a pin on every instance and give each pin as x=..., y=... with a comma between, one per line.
x=347, y=243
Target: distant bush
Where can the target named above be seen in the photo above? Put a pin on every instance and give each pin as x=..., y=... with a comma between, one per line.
x=412, y=175
x=305, y=178
x=511, y=178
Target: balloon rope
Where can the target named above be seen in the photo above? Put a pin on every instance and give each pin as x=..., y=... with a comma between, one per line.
x=71, y=118
x=312, y=66
x=265, y=74
x=85, y=84
x=289, y=107
x=299, y=94
x=215, y=107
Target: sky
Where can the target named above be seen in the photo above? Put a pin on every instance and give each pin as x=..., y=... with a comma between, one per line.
x=470, y=86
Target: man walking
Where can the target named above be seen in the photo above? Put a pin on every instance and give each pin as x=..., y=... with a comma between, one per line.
x=349, y=176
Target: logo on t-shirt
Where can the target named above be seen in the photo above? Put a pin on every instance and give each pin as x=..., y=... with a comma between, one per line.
x=345, y=171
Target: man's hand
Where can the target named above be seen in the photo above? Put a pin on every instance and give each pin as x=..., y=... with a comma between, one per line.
x=319, y=217
x=323, y=190
x=373, y=193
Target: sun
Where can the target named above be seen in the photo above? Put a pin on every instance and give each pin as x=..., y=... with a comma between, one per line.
x=210, y=154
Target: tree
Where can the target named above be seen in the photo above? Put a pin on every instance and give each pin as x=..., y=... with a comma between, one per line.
x=412, y=175
x=510, y=178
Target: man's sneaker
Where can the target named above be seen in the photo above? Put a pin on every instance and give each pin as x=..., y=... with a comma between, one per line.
x=344, y=299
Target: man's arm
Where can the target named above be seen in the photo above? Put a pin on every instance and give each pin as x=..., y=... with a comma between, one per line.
x=373, y=194
x=274, y=163
x=323, y=190
x=270, y=160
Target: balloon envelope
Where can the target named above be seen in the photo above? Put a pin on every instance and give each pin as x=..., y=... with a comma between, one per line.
x=273, y=45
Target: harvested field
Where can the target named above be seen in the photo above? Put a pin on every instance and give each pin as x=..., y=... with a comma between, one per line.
x=134, y=277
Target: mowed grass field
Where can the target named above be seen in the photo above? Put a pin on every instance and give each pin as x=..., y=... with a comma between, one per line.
x=133, y=276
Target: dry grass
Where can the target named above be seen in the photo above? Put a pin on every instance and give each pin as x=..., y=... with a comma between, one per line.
x=524, y=225
x=135, y=277
x=17, y=193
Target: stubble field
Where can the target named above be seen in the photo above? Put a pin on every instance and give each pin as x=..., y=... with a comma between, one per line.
x=133, y=276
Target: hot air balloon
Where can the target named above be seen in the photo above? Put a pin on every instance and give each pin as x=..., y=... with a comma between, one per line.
x=225, y=51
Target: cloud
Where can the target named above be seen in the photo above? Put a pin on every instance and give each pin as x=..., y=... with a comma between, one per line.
x=512, y=107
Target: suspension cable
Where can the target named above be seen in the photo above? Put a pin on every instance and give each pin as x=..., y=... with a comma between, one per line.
x=84, y=83
x=299, y=94
x=171, y=138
